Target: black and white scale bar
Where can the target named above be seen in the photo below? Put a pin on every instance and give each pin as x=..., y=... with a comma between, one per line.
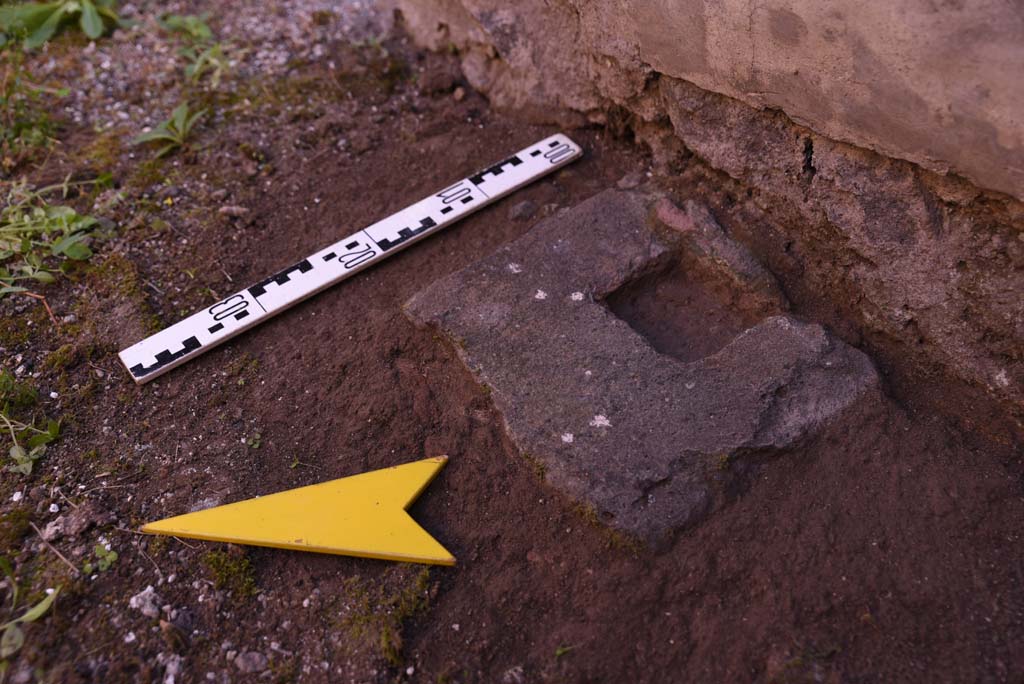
x=206, y=329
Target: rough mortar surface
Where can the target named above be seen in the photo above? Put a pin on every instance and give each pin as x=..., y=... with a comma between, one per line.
x=897, y=77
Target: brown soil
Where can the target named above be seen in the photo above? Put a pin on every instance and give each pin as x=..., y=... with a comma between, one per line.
x=887, y=548
x=682, y=312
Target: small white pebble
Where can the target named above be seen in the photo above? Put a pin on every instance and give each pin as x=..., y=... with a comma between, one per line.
x=305, y=603
x=410, y=670
x=541, y=294
x=54, y=508
x=129, y=637
x=54, y=395
x=16, y=496
x=567, y=437
x=455, y=627
x=600, y=420
x=515, y=268
x=576, y=296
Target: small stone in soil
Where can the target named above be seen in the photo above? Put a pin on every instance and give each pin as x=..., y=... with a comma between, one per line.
x=521, y=211
x=251, y=661
x=146, y=602
x=54, y=529
x=233, y=211
x=250, y=168
x=513, y=675
x=168, y=191
x=630, y=181
x=360, y=143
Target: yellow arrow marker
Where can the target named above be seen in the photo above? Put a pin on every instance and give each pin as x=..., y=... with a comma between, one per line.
x=363, y=515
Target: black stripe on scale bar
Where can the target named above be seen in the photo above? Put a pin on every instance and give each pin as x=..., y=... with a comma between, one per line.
x=280, y=278
x=406, y=233
x=351, y=245
x=217, y=327
x=165, y=357
x=495, y=170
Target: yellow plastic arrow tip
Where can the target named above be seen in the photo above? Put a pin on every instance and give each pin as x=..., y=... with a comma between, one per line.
x=362, y=515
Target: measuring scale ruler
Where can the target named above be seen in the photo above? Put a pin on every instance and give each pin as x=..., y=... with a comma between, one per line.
x=233, y=315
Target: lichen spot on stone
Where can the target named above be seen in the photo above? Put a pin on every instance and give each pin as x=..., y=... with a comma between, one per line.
x=600, y=420
x=541, y=294
x=515, y=268
x=576, y=296
x=567, y=437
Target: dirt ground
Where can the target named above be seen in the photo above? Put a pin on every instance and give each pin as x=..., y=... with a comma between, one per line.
x=885, y=549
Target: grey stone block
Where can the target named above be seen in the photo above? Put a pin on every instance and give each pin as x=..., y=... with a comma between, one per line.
x=639, y=436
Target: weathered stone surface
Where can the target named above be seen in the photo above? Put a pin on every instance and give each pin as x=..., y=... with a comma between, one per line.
x=895, y=77
x=635, y=434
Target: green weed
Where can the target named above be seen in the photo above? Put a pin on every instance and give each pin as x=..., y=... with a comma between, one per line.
x=40, y=21
x=13, y=637
x=174, y=132
x=28, y=442
x=103, y=558
x=209, y=60
x=34, y=234
x=192, y=26
x=203, y=55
